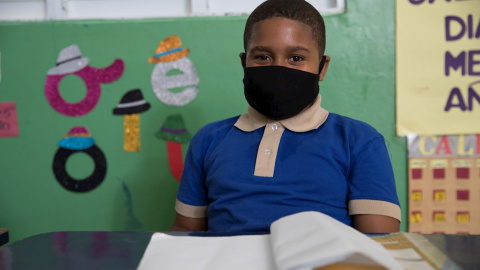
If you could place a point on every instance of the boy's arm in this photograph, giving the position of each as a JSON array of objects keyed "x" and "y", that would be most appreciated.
[
  {"x": 375, "y": 223},
  {"x": 183, "y": 223}
]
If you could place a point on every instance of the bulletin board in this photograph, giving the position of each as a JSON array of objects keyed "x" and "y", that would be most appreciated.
[
  {"x": 438, "y": 67},
  {"x": 140, "y": 181}
]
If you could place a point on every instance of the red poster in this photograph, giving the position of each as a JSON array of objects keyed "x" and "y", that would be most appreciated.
[{"x": 8, "y": 120}]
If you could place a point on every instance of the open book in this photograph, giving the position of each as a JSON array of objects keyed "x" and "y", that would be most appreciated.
[{"x": 307, "y": 240}]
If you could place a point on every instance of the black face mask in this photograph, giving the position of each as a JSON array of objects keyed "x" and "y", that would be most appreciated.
[{"x": 279, "y": 92}]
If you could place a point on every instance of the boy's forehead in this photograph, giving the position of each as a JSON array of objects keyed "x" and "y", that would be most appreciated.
[
  {"x": 268, "y": 28},
  {"x": 279, "y": 21}
]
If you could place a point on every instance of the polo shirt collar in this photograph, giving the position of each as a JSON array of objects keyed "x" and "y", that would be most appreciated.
[{"x": 310, "y": 119}]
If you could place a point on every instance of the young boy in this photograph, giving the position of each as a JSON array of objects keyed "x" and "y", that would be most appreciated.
[{"x": 286, "y": 154}]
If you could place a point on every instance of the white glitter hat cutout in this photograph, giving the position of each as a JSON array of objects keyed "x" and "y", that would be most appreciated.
[{"x": 69, "y": 60}]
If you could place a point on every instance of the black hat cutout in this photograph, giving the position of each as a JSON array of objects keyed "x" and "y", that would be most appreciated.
[{"x": 132, "y": 102}]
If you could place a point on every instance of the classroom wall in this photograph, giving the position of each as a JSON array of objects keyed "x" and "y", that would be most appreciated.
[{"x": 138, "y": 192}]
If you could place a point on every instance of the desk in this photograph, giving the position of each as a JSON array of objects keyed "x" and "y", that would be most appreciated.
[
  {"x": 124, "y": 250},
  {"x": 76, "y": 250},
  {"x": 462, "y": 249},
  {"x": 3, "y": 236}
]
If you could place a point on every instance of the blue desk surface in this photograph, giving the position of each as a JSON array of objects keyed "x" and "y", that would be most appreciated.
[{"x": 124, "y": 250}]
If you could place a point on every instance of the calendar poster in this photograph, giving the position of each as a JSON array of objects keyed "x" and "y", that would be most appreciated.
[{"x": 444, "y": 184}]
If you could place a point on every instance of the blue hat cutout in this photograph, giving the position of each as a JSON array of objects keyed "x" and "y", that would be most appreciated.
[{"x": 77, "y": 139}]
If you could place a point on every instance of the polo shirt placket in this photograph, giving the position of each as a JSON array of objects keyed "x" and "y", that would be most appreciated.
[
  {"x": 268, "y": 149},
  {"x": 311, "y": 118}
]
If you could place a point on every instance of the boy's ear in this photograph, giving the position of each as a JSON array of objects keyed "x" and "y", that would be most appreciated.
[
  {"x": 324, "y": 69},
  {"x": 243, "y": 59}
]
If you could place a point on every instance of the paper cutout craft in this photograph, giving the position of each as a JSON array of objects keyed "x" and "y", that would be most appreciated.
[
  {"x": 79, "y": 139},
  {"x": 8, "y": 120},
  {"x": 174, "y": 133},
  {"x": 130, "y": 106},
  {"x": 170, "y": 55},
  {"x": 70, "y": 61},
  {"x": 169, "y": 49}
]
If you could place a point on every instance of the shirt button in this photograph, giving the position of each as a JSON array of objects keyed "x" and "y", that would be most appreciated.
[
  {"x": 267, "y": 151},
  {"x": 274, "y": 126}
]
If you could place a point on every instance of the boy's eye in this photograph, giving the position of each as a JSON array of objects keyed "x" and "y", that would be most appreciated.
[
  {"x": 296, "y": 58},
  {"x": 263, "y": 57}
]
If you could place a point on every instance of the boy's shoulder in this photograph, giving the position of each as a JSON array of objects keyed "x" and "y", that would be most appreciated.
[
  {"x": 352, "y": 127},
  {"x": 216, "y": 128},
  {"x": 219, "y": 125}
]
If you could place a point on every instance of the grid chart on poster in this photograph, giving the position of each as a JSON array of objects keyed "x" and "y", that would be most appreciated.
[{"x": 444, "y": 188}]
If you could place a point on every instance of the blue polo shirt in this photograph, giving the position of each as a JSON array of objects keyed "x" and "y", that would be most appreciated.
[{"x": 245, "y": 172}]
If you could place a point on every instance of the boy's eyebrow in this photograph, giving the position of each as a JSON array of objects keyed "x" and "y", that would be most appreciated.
[
  {"x": 290, "y": 48},
  {"x": 298, "y": 48},
  {"x": 260, "y": 48}
]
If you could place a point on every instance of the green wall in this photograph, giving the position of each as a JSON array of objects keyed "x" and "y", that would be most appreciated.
[{"x": 139, "y": 191}]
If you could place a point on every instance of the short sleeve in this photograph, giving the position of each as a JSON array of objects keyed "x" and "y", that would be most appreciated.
[
  {"x": 192, "y": 193},
  {"x": 372, "y": 187}
]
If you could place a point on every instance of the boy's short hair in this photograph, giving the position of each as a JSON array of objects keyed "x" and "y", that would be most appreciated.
[{"x": 297, "y": 10}]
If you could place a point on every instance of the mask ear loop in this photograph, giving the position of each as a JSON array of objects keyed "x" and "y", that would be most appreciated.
[{"x": 322, "y": 63}]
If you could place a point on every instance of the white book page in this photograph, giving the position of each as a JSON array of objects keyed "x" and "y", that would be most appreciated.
[
  {"x": 210, "y": 253},
  {"x": 311, "y": 239}
]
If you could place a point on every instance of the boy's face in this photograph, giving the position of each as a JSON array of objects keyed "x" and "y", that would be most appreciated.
[{"x": 283, "y": 42}]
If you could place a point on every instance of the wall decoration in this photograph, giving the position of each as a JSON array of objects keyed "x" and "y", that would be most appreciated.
[
  {"x": 8, "y": 120},
  {"x": 170, "y": 55},
  {"x": 70, "y": 61},
  {"x": 175, "y": 134},
  {"x": 169, "y": 49},
  {"x": 132, "y": 223},
  {"x": 79, "y": 139},
  {"x": 437, "y": 67},
  {"x": 444, "y": 184},
  {"x": 130, "y": 106}
]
